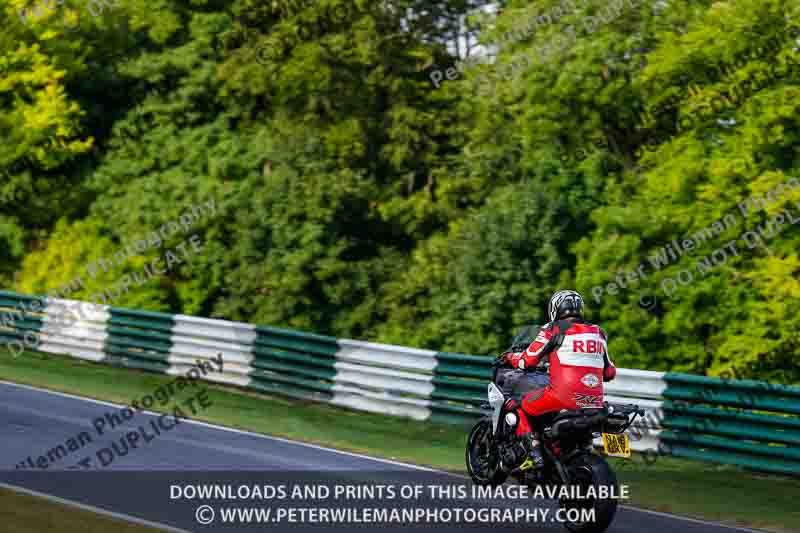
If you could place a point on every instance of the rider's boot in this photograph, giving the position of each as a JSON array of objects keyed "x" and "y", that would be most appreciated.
[
  {"x": 524, "y": 454},
  {"x": 534, "y": 448}
]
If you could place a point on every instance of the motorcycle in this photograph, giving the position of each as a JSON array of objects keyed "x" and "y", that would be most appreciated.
[{"x": 570, "y": 460}]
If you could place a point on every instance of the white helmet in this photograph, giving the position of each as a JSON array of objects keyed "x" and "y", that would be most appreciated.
[{"x": 563, "y": 304}]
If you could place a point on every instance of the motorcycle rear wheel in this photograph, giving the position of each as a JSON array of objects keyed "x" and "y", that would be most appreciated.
[
  {"x": 482, "y": 455},
  {"x": 585, "y": 471}
]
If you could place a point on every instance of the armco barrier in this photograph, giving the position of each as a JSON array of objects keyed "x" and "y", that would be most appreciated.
[
  {"x": 420, "y": 384},
  {"x": 747, "y": 423}
]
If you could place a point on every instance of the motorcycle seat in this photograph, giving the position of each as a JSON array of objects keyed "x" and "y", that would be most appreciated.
[{"x": 584, "y": 411}]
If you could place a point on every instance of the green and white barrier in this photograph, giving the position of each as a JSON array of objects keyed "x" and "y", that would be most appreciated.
[
  {"x": 747, "y": 423},
  {"x": 742, "y": 422}
]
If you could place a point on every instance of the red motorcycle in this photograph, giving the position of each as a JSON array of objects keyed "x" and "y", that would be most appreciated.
[{"x": 570, "y": 461}]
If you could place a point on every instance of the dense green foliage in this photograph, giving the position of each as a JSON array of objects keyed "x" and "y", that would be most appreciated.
[{"x": 356, "y": 197}]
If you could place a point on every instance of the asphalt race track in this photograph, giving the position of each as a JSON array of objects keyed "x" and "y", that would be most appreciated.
[{"x": 135, "y": 480}]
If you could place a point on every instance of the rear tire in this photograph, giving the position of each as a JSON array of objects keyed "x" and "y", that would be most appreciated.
[
  {"x": 592, "y": 470},
  {"x": 482, "y": 455}
]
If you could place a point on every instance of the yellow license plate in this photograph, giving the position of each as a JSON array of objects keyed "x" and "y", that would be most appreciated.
[{"x": 616, "y": 444}]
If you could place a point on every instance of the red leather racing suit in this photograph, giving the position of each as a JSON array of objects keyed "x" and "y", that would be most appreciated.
[{"x": 578, "y": 368}]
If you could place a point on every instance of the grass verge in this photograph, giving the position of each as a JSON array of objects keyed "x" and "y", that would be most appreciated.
[
  {"x": 718, "y": 493},
  {"x": 22, "y": 513}
]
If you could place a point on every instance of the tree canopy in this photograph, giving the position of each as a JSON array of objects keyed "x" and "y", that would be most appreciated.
[{"x": 567, "y": 144}]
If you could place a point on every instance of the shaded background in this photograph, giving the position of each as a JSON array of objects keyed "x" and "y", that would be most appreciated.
[{"x": 356, "y": 199}]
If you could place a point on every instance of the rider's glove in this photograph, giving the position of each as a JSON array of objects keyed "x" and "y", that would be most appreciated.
[
  {"x": 515, "y": 360},
  {"x": 500, "y": 361},
  {"x": 504, "y": 359}
]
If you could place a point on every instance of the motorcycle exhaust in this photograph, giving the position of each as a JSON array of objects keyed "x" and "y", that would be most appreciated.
[{"x": 577, "y": 424}]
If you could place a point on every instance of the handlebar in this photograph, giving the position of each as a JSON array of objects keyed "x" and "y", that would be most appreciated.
[
  {"x": 628, "y": 411},
  {"x": 499, "y": 361}
]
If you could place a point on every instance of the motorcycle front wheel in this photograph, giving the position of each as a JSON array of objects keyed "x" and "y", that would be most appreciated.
[
  {"x": 590, "y": 515},
  {"x": 482, "y": 455}
]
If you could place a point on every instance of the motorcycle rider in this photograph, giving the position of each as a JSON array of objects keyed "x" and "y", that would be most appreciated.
[{"x": 577, "y": 355}]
